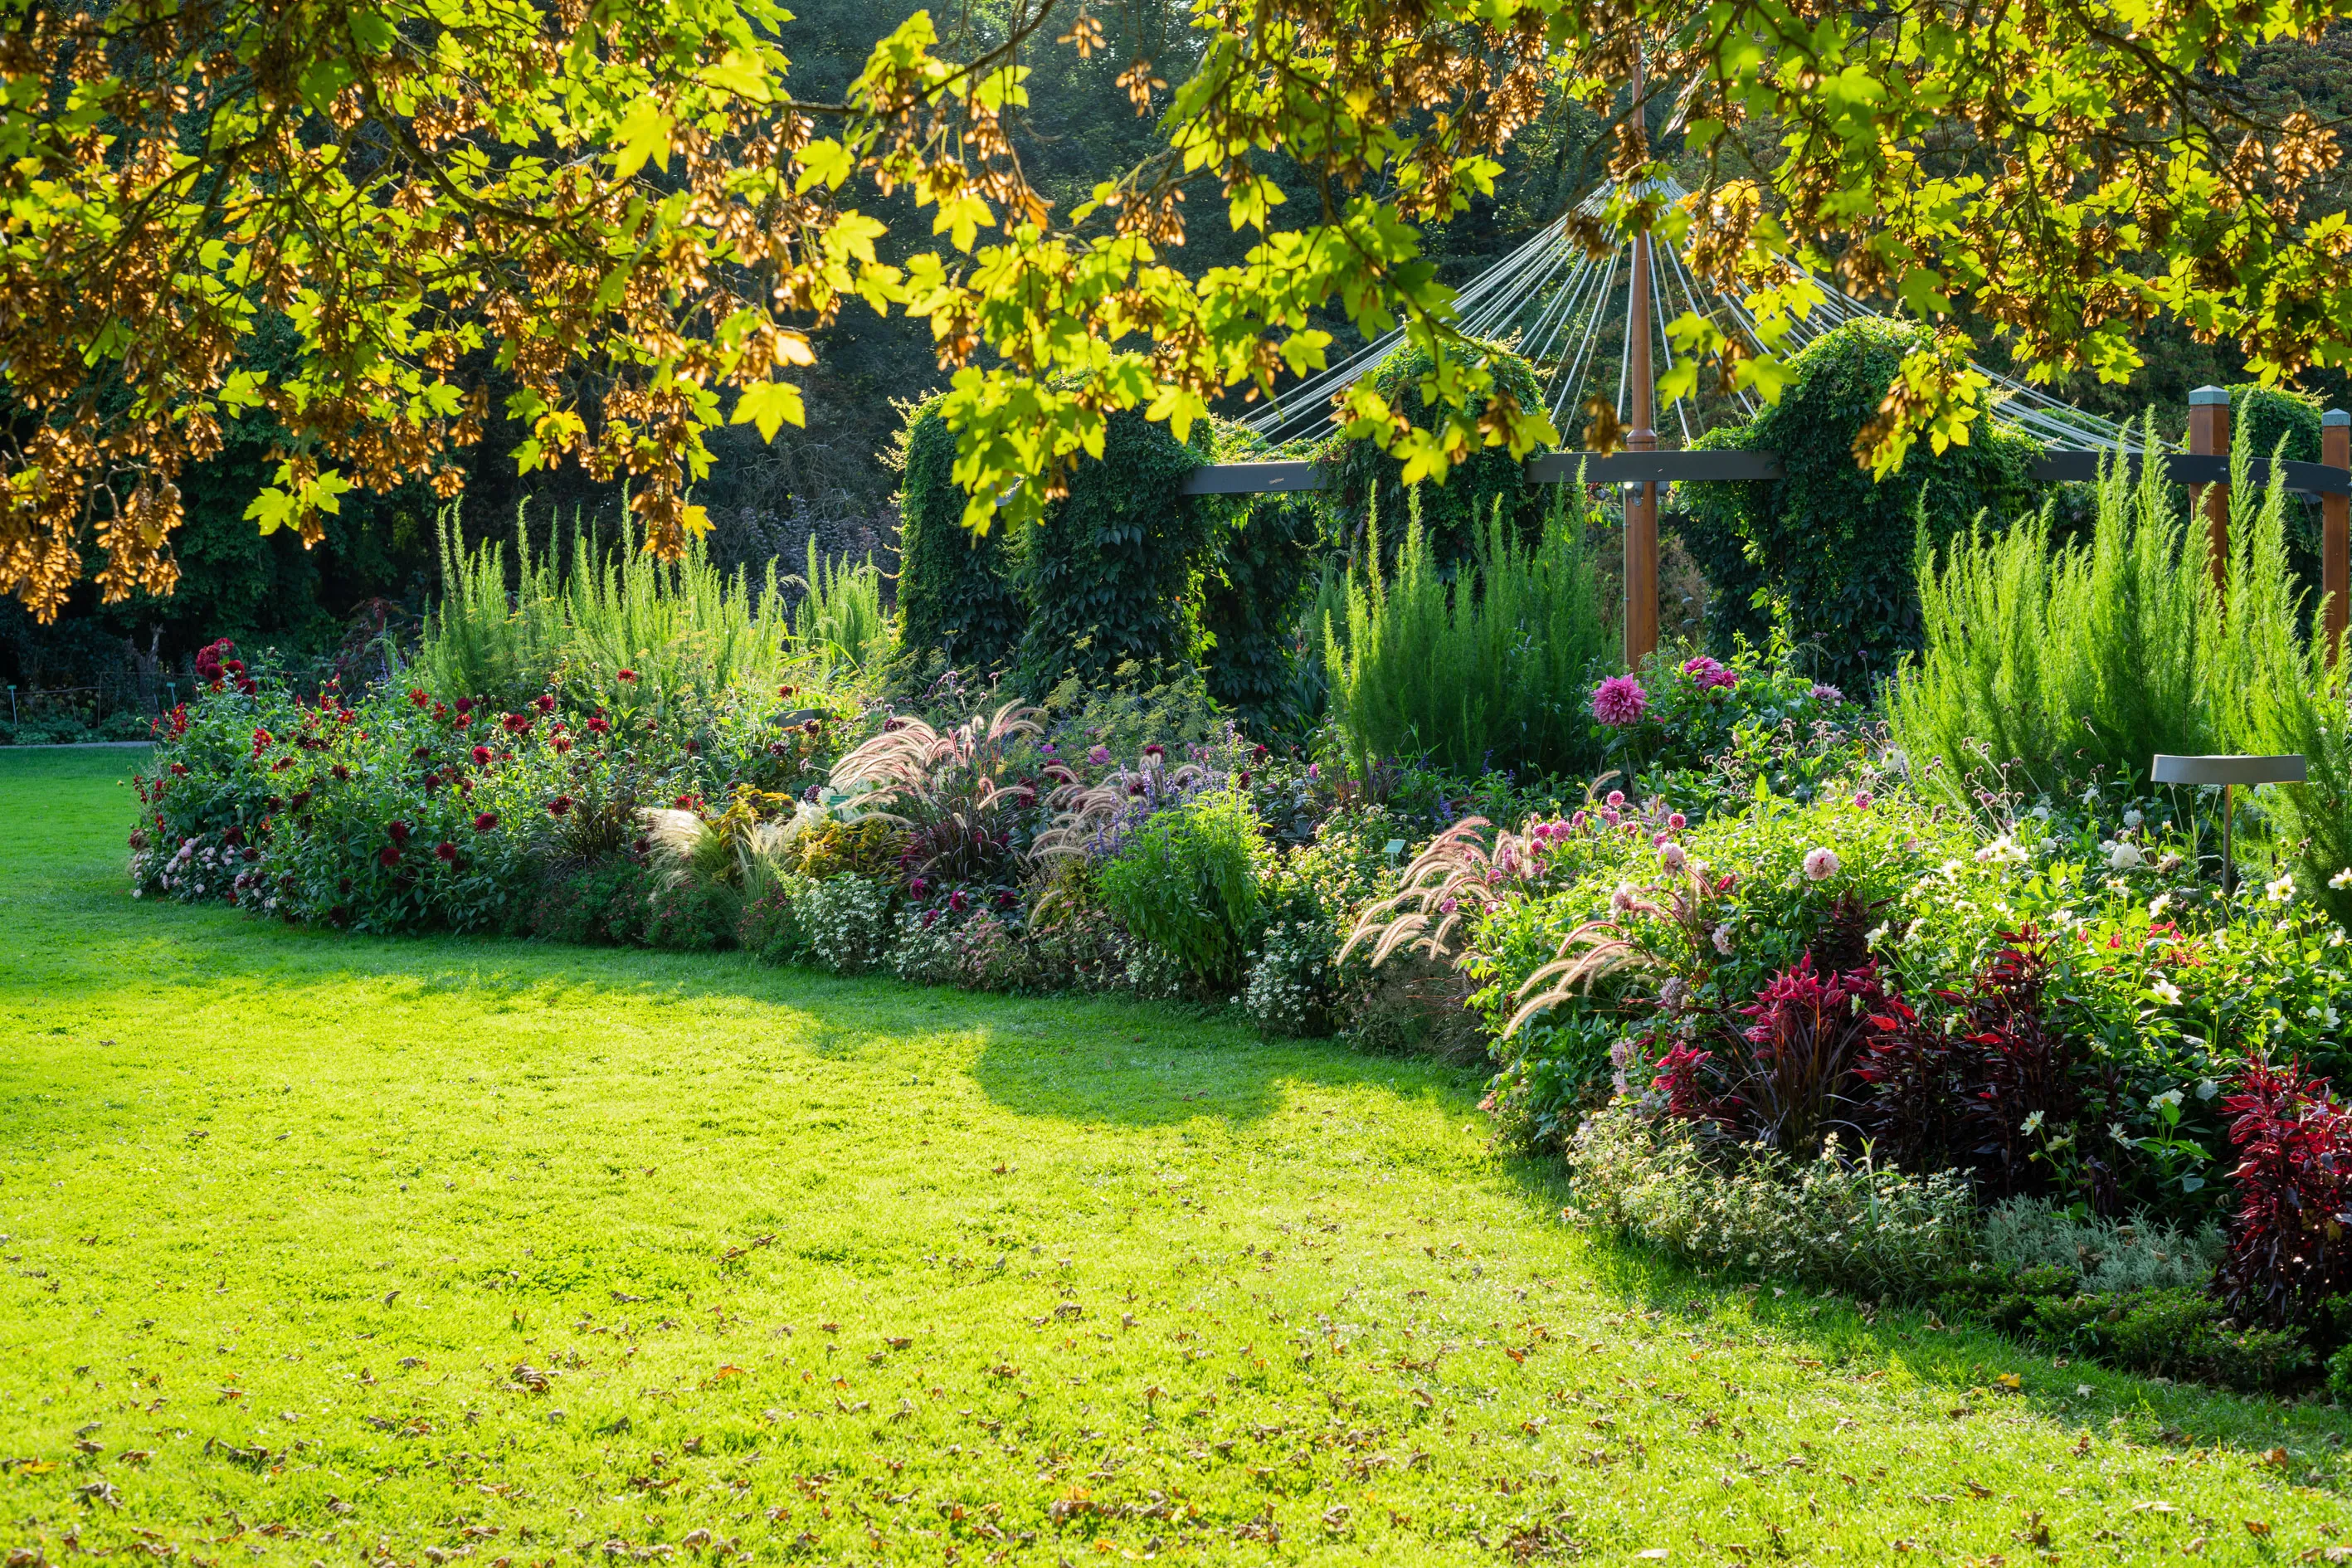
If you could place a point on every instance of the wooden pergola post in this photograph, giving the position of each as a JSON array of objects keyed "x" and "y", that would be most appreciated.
[
  {"x": 1641, "y": 509},
  {"x": 2209, "y": 436},
  {"x": 2336, "y": 530}
]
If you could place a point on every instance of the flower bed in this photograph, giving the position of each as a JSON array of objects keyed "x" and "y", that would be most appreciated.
[{"x": 1784, "y": 1015}]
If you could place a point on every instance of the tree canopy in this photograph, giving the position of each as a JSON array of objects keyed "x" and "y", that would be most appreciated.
[{"x": 617, "y": 214}]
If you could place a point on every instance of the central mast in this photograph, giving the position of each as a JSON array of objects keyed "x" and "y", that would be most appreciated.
[{"x": 1641, "y": 506}]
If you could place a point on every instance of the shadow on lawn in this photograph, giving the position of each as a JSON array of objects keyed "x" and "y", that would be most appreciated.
[
  {"x": 1843, "y": 1338},
  {"x": 1079, "y": 1060}
]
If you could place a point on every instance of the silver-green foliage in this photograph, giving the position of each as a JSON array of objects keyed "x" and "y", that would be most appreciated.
[
  {"x": 2108, "y": 1255},
  {"x": 1850, "y": 1226},
  {"x": 1489, "y": 670}
]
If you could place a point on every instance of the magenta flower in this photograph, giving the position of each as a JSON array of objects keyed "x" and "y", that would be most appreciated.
[
  {"x": 1827, "y": 693},
  {"x": 484, "y": 822},
  {"x": 1709, "y": 674},
  {"x": 445, "y": 851},
  {"x": 1620, "y": 701},
  {"x": 958, "y": 901},
  {"x": 1099, "y": 755}
]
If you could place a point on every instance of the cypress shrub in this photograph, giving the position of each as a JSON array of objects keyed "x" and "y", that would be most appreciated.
[
  {"x": 1489, "y": 671},
  {"x": 956, "y": 594},
  {"x": 2050, "y": 662},
  {"x": 1827, "y": 549},
  {"x": 1113, "y": 574}
]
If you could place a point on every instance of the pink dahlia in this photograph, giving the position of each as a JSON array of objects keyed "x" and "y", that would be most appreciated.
[{"x": 1620, "y": 701}]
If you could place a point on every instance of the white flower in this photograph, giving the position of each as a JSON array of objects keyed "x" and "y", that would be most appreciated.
[
  {"x": 2281, "y": 891},
  {"x": 1723, "y": 938},
  {"x": 1673, "y": 855},
  {"x": 2091, "y": 797},
  {"x": 2033, "y": 1124},
  {"x": 2342, "y": 879},
  {"x": 1821, "y": 864},
  {"x": 1879, "y": 935},
  {"x": 2132, "y": 818},
  {"x": 2169, "y": 1097},
  {"x": 2040, "y": 814},
  {"x": 2124, "y": 856},
  {"x": 2159, "y": 904},
  {"x": 2168, "y": 991},
  {"x": 2115, "y": 1131}
]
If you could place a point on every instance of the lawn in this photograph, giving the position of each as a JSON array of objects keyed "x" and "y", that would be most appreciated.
[{"x": 319, "y": 1248}]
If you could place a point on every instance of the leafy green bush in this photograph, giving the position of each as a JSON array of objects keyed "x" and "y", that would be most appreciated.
[
  {"x": 1186, "y": 883},
  {"x": 1113, "y": 574},
  {"x": 846, "y": 919},
  {"x": 770, "y": 927},
  {"x": 593, "y": 906},
  {"x": 1848, "y": 1226},
  {"x": 956, "y": 593},
  {"x": 1828, "y": 550},
  {"x": 1488, "y": 671},
  {"x": 2054, "y": 663},
  {"x": 1364, "y": 482}
]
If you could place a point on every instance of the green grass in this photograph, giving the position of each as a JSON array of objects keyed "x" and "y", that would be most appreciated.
[{"x": 848, "y": 1272}]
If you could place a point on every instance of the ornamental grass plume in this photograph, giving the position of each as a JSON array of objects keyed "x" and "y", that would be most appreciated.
[{"x": 1620, "y": 701}]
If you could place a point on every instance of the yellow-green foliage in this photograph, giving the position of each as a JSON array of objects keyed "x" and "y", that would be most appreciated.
[{"x": 869, "y": 846}]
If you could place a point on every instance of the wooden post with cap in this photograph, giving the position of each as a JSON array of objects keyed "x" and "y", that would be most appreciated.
[
  {"x": 2209, "y": 436},
  {"x": 2336, "y": 530},
  {"x": 1642, "y": 507}
]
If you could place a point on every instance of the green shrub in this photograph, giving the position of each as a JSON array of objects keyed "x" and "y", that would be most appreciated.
[
  {"x": 1113, "y": 574},
  {"x": 770, "y": 927},
  {"x": 956, "y": 594},
  {"x": 2051, "y": 663},
  {"x": 1827, "y": 549},
  {"x": 1364, "y": 482},
  {"x": 691, "y": 916},
  {"x": 1488, "y": 671},
  {"x": 1186, "y": 883},
  {"x": 1855, "y": 1226},
  {"x": 597, "y": 905}
]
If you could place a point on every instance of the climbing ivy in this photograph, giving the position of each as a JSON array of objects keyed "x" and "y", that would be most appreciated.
[
  {"x": 1824, "y": 552},
  {"x": 1360, "y": 474},
  {"x": 1113, "y": 574},
  {"x": 957, "y": 598}
]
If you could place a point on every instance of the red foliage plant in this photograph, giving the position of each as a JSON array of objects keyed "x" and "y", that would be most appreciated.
[
  {"x": 2289, "y": 1250},
  {"x": 1992, "y": 1093},
  {"x": 1787, "y": 1079}
]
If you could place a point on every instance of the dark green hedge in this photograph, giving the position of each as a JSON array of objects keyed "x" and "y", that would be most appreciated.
[
  {"x": 1824, "y": 552},
  {"x": 1263, "y": 574},
  {"x": 1113, "y": 574},
  {"x": 1362, "y": 474},
  {"x": 957, "y": 598}
]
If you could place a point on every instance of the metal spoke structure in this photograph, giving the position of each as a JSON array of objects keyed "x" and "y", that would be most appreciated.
[
  {"x": 1557, "y": 305},
  {"x": 1561, "y": 307}
]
